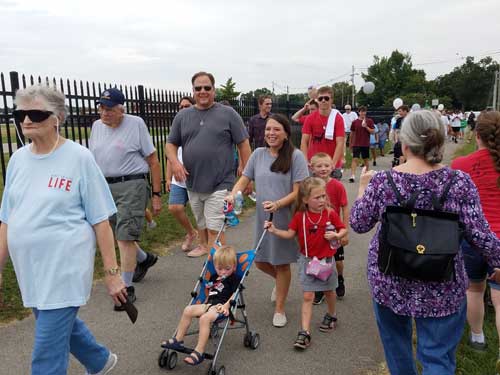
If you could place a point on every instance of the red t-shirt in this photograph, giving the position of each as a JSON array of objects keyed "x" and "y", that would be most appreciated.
[
  {"x": 362, "y": 136},
  {"x": 481, "y": 168},
  {"x": 315, "y": 224},
  {"x": 336, "y": 194},
  {"x": 315, "y": 126},
  {"x": 302, "y": 119}
]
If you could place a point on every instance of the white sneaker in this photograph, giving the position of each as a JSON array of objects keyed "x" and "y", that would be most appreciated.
[
  {"x": 110, "y": 364},
  {"x": 253, "y": 196},
  {"x": 279, "y": 320},
  {"x": 273, "y": 294},
  {"x": 152, "y": 225}
]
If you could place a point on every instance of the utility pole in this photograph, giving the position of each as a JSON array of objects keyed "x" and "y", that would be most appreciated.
[
  {"x": 287, "y": 93},
  {"x": 353, "y": 88},
  {"x": 272, "y": 83},
  {"x": 496, "y": 92}
]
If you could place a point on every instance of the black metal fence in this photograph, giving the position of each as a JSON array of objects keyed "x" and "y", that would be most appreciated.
[{"x": 157, "y": 107}]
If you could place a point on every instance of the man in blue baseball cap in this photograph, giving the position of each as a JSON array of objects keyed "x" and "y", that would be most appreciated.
[
  {"x": 111, "y": 97},
  {"x": 124, "y": 151}
]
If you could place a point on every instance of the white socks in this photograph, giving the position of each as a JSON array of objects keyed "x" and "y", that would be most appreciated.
[{"x": 479, "y": 338}]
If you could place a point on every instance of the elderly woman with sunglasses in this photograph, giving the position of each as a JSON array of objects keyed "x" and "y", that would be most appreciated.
[{"x": 55, "y": 205}]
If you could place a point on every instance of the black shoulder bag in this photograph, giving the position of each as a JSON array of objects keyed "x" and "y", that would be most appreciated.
[{"x": 419, "y": 244}]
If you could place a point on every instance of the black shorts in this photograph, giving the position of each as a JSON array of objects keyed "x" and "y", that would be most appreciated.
[
  {"x": 339, "y": 255},
  {"x": 398, "y": 151},
  {"x": 455, "y": 129},
  {"x": 360, "y": 152}
]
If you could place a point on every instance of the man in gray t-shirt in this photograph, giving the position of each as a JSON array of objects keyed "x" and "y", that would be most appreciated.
[
  {"x": 207, "y": 133},
  {"x": 123, "y": 149}
]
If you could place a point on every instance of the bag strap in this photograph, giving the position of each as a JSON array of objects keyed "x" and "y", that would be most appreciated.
[
  {"x": 399, "y": 197},
  {"x": 410, "y": 203},
  {"x": 304, "y": 228},
  {"x": 438, "y": 203}
]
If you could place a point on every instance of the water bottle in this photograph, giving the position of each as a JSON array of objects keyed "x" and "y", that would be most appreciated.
[
  {"x": 238, "y": 203},
  {"x": 334, "y": 244},
  {"x": 232, "y": 219}
]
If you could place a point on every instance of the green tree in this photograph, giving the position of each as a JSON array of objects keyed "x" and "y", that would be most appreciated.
[
  {"x": 470, "y": 85},
  {"x": 342, "y": 94},
  {"x": 251, "y": 95},
  {"x": 393, "y": 76},
  {"x": 227, "y": 91}
]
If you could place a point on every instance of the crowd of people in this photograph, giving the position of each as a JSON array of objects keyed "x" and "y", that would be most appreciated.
[{"x": 96, "y": 196}]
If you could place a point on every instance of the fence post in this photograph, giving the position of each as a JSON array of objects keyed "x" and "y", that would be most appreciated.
[
  {"x": 142, "y": 103},
  {"x": 14, "y": 86}
]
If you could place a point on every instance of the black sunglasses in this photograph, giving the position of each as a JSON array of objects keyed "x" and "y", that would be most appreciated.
[
  {"x": 35, "y": 115},
  {"x": 206, "y": 88},
  {"x": 323, "y": 98}
]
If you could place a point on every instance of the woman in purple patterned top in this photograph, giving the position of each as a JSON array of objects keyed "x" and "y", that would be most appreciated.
[{"x": 438, "y": 308}]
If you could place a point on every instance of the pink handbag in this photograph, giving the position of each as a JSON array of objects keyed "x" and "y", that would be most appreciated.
[{"x": 320, "y": 269}]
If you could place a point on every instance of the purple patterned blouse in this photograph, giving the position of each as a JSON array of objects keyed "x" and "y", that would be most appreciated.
[{"x": 415, "y": 298}]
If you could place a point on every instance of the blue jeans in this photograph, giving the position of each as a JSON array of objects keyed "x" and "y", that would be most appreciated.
[
  {"x": 59, "y": 332},
  {"x": 437, "y": 341}
]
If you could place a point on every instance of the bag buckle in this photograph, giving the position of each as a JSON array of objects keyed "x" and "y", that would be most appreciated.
[{"x": 420, "y": 249}]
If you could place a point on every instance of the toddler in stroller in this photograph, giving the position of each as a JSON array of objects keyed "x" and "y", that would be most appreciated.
[{"x": 222, "y": 286}]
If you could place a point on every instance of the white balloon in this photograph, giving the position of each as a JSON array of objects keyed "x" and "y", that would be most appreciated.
[
  {"x": 416, "y": 107},
  {"x": 368, "y": 88},
  {"x": 440, "y": 107},
  {"x": 398, "y": 102}
]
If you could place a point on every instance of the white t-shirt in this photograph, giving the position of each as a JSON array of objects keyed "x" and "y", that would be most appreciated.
[
  {"x": 50, "y": 204},
  {"x": 348, "y": 120},
  {"x": 456, "y": 119},
  {"x": 121, "y": 151},
  {"x": 174, "y": 181}
]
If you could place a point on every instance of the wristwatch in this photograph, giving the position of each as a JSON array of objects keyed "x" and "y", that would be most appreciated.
[
  {"x": 157, "y": 193},
  {"x": 112, "y": 271}
]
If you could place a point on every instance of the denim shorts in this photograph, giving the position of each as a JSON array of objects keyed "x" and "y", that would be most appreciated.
[
  {"x": 178, "y": 195},
  {"x": 476, "y": 266}
]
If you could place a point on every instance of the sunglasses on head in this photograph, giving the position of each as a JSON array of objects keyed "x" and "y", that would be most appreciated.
[
  {"x": 323, "y": 98},
  {"x": 35, "y": 115},
  {"x": 206, "y": 88}
]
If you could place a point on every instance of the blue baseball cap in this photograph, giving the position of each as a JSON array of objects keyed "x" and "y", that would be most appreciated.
[{"x": 111, "y": 97}]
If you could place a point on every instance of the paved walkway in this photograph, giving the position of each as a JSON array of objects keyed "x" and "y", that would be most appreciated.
[{"x": 353, "y": 348}]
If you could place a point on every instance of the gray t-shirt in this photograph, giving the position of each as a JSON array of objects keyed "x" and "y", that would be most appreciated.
[
  {"x": 272, "y": 186},
  {"x": 121, "y": 151},
  {"x": 207, "y": 138}
]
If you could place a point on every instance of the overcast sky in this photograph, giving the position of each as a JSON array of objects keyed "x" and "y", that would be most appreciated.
[{"x": 297, "y": 43}]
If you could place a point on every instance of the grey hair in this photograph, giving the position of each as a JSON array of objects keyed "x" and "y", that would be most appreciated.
[
  {"x": 53, "y": 98},
  {"x": 424, "y": 134}
]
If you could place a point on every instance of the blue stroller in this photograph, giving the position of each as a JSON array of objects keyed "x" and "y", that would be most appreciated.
[{"x": 251, "y": 339}]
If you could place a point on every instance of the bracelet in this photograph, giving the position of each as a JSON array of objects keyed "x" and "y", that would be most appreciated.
[{"x": 278, "y": 204}]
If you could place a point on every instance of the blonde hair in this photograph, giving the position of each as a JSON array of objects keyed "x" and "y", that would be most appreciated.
[
  {"x": 225, "y": 256},
  {"x": 320, "y": 156},
  {"x": 305, "y": 188}
]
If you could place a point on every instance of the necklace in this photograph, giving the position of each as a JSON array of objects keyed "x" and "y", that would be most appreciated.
[
  {"x": 202, "y": 119},
  {"x": 315, "y": 224}
]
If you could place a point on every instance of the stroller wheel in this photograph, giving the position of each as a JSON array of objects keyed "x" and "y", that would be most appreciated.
[
  {"x": 162, "y": 359},
  {"x": 247, "y": 339},
  {"x": 255, "y": 341},
  {"x": 171, "y": 360},
  {"x": 221, "y": 371}
]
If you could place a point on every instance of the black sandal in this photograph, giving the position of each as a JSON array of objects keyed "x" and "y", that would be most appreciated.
[
  {"x": 303, "y": 340},
  {"x": 328, "y": 324},
  {"x": 196, "y": 357}
]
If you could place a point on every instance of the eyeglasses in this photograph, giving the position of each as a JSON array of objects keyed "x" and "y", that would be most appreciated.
[
  {"x": 323, "y": 98},
  {"x": 206, "y": 88},
  {"x": 35, "y": 115}
]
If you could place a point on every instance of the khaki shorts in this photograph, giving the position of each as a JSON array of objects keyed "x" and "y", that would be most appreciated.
[
  {"x": 207, "y": 209},
  {"x": 131, "y": 199}
]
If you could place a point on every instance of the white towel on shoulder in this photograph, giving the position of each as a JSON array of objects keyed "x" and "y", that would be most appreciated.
[{"x": 330, "y": 126}]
